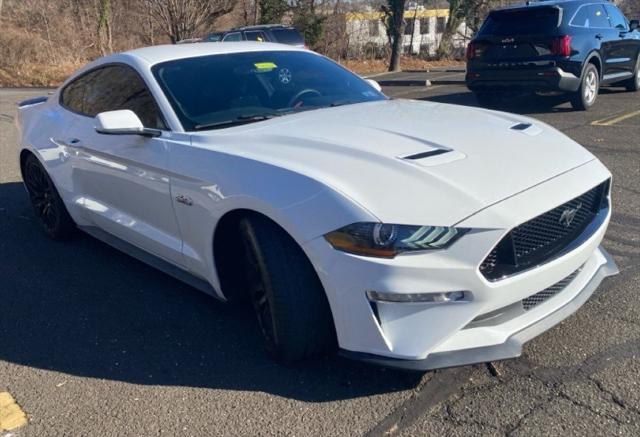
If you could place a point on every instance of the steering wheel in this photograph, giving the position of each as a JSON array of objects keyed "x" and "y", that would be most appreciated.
[{"x": 296, "y": 98}]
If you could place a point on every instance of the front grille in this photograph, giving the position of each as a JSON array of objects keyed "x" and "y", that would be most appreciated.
[
  {"x": 545, "y": 236},
  {"x": 548, "y": 293},
  {"x": 518, "y": 308}
]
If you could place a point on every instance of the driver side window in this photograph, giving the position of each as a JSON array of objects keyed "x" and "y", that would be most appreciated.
[
  {"x": 618, "y": 21},
  {"x": 112, "y": 88}
]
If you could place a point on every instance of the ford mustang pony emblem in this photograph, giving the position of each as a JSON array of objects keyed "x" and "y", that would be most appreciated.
[{"x": 567, "y": 216}]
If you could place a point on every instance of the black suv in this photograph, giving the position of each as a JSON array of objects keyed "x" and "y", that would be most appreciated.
[
  {"x": 572, "y": 46},
  {"x": 266, "y": 33}
]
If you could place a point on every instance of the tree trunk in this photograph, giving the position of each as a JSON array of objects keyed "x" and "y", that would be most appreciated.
[
  {"x": 413, "y": 31},
  {"x": 445, "y": 48},
  {"x": 397, "y": 32}
]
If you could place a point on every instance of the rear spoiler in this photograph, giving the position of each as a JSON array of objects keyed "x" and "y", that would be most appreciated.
[{"x": 34, "y": 101}]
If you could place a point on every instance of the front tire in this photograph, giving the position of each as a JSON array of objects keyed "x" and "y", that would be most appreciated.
[
  {"x": 47, "y": 204},
  {"x": 287, "y": 296},
  {"x": 633, "y": 84},
  {"x": 587, "y": 94}
]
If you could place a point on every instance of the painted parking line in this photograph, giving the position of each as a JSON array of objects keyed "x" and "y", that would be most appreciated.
[
  {"x": 11, "y": 415},
  {"x": 610, "y": 121}
]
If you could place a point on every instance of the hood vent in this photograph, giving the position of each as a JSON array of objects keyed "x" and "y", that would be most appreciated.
[
  {"x": 428, "y": 154},
  {"x": 521, "y": 126}
]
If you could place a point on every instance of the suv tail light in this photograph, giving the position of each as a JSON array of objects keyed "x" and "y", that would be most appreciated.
[
  {"x": 561, "y": 46},
  {"x": 471, "y": 51}
]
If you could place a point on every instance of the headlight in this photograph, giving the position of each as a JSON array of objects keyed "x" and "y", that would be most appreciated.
[{"x": 386, "y": 240}]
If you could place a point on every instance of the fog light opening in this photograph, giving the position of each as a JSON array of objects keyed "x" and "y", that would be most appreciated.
[{"x": 442, "y": 297}]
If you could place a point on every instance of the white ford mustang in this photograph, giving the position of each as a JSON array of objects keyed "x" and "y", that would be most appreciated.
[{"x": 405, "y": 233}]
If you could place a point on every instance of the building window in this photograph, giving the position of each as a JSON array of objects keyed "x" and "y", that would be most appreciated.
[
  {"x": 425, "y": 24},
  {"x": 374, "y": 28},
  {"x": 408, "y": 28},
  {"x": 441, "y": 24}
]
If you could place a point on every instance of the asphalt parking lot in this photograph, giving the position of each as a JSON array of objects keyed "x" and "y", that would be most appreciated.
[{"x": 93, "y": 342}]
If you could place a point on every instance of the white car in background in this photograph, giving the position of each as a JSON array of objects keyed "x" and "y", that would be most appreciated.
[{"x": 406, "y": 233}]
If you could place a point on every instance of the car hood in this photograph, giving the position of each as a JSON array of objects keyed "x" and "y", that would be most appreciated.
[{"x": 409, "y": 161}]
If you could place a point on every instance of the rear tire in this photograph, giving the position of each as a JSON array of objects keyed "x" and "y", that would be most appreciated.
[
  {"x": 587, "y": 94},
  {"x": 633, "y": 84},
  {"x": 289, "y": 300},
  {"x": 47, "y": 204},
  {"x": 487, "y": 99}
]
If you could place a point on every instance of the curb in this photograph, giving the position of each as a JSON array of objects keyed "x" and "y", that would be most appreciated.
[{"x": 404, "y": 82}]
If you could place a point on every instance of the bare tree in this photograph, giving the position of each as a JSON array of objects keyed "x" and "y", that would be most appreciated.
[
  {"x": 455, "y": 19},
  {"x": 394, "y": 23},
  {"x": 182, "y": 19},
  {"x": 104, "y": 34}
]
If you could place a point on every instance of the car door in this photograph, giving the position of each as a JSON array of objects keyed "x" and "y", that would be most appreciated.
[
  {"x": 624, "y": 50},
  {"x": 121, "y": 182},
  {"x": 598, "y": 23}
]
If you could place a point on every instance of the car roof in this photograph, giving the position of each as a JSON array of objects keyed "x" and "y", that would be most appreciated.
[
  {"x": 262, "y": 26},
  {"x": 541, "y": 3},
  {"x": 162, "y": 53}
]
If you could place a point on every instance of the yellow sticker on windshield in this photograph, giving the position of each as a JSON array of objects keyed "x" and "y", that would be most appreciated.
[{"x": 265, "y": 66}]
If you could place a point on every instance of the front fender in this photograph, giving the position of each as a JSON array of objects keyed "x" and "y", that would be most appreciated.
[{"x": 211, "y": 184}]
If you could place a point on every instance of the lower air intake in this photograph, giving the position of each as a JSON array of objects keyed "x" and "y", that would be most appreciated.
[{"x": 548, "y": 293}]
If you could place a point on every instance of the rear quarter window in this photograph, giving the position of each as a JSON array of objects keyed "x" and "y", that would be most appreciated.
[
  {"x": 581, "y": 18},
  {"x": 521, "y": 21},
  {"x": 73, "y": 95}
]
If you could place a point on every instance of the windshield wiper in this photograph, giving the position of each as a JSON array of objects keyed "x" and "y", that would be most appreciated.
[
  {"x": 341, "y": 103},
  {"x": 239, "y": 120}
]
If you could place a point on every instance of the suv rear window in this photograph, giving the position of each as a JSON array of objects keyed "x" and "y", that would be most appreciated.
[
  {"x": 521, "y": 22},
  {"x": 287, "y": 36}
]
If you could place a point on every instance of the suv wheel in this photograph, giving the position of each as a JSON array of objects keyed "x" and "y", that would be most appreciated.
[
  {"x": 488, "y": 99},
  {"x": 633, "y": 84},
  {"x": 587, "y": 94}
]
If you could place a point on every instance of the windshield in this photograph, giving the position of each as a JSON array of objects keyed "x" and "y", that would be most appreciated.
[
  {"x": 539, "y": 20},
  {"x": 218, "y": 91}
]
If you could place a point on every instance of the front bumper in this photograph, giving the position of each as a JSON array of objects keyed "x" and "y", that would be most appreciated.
[
  {"x": 521, "y": 79},
  {"x": 512, "y": 347},
  {"x": 439, "y": 334}
]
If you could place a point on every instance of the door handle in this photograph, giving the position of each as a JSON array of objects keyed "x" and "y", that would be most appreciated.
[
  {"x": 599, "y": 35},
  {"x": 71, "y": 142}
]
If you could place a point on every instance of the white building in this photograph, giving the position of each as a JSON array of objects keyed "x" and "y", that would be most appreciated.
[{"x": 423, "y": 31}]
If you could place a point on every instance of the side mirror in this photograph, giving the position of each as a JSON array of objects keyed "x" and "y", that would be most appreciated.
[
  {"x": 122, "y": 122},
  {"x": 634, "y": 25},
  {"x": 375, "y": 85}
]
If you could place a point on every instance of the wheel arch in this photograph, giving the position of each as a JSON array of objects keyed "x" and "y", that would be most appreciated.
[
  {"x": 227, "y": 250},
  {"x": 595, "y": 59},
  {"x": 24, "y": 153}
]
